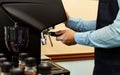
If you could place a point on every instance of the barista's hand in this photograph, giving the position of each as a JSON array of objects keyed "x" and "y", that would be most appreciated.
[{"x": 66, "y": 37}]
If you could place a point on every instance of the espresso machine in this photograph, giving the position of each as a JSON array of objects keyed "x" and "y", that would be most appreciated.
[{"x": 37, "y": 15}]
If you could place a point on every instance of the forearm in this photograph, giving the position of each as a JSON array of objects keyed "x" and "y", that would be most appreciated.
[
  {"x": 103, "y": 38},
  {"x": 107, "y": 37},
  {"x": 81, "y": 25}
]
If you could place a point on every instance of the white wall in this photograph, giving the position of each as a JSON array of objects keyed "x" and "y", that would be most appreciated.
[
  {"x": 85, "y": 9},
  {"x": 84, "y": 67}
]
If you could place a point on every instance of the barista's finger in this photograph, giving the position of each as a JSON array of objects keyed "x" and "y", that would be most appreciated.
[
  {"x": 60, "y": 38},
  {"x": 60, "y": 32}
]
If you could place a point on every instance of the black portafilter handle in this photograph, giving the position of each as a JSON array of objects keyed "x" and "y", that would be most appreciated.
[{"x": 53, "y": 34}]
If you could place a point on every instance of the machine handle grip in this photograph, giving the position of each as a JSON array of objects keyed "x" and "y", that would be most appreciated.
[{"x": 53, "y": 34}]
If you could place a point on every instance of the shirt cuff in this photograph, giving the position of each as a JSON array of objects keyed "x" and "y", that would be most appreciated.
[{"x": 80, "y": 38}]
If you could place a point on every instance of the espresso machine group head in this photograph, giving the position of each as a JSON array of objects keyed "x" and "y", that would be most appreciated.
[{"x": 37, "y": 15}]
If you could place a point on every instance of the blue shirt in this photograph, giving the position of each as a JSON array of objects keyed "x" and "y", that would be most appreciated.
[{"x": 106, "y": 37}]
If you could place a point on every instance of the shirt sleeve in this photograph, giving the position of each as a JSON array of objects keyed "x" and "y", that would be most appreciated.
[
  {"x": 81, "y": 25},
  {"x": 106, "y": 37}
]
